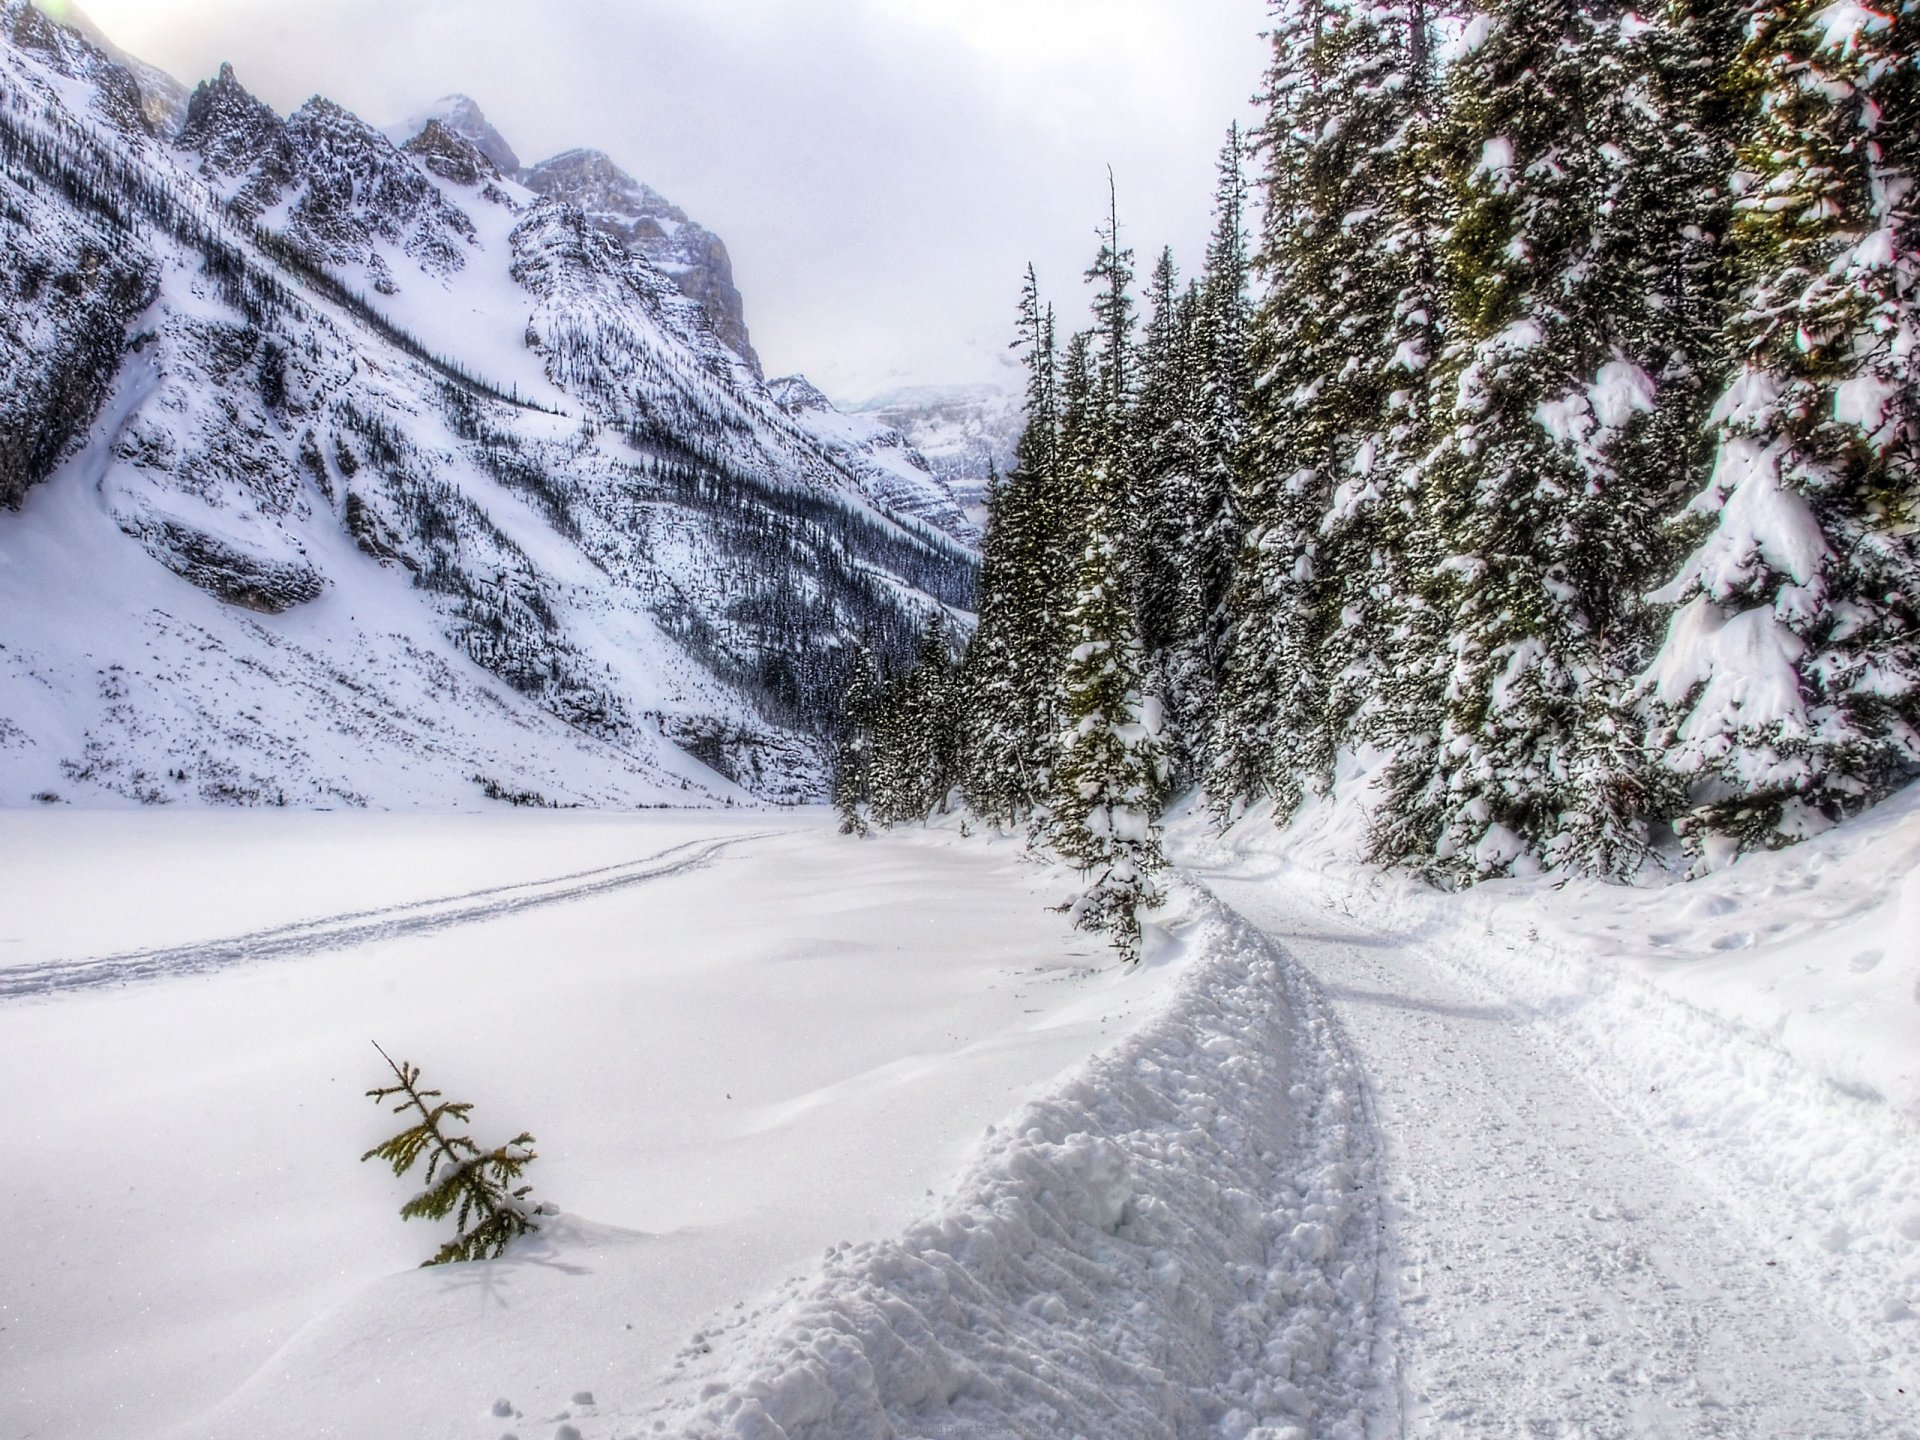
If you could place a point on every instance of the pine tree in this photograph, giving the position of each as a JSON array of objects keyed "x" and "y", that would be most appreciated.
[
  {"x": 1335, "y": 93},
  {"x": 852, "y": 777},
  {"x": 1012, "y": 662},
  {"x": 1112, "y": 276},
  {"x": 1110, "y": 783},
  {"x": 1789, "y": 682},
  {"x": 1544, "y": 498},
  {"x": 462, "y": 1180},
  {"x": 1222, "y": 384},
  {"x": 914, "y": 763},
  {"x": 1165, "y": 443}
]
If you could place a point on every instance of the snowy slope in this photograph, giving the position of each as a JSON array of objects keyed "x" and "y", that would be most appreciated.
[
  {"x": 427, "y": 443},
  {"x": 888, "y": 470}
]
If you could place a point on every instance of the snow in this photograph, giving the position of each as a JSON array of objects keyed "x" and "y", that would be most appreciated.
[
  {"x": 1748, "y": 663},
  {"x": 858, "y": 1138},
  {"x": 739, "y": 1039},
  {"x": 1757, "y": 1030},
  {"x": 1760, "y": 520},
  {"x": 1841, "y": 25},
  {"x": 1862, "y": 402}
]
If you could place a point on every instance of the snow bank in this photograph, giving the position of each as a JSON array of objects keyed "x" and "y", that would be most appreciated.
[
  {"x": 1762, "y": 1022},
  {"x": 1183, "y": 1236}
]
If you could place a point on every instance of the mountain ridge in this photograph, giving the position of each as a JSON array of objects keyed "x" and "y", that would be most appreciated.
[{"x": 471, "y": 499}]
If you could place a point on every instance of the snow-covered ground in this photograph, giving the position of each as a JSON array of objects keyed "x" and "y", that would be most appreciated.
[
  {"x": 738, "y": 1038},
  {"x": 1653, "y": 1153},
  {"x": 857, "y": 1139}
]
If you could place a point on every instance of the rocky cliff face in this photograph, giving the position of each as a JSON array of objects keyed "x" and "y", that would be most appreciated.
[
  {"x": 648, "y": 224},
  {"x": 636, "y": 215},
  {"x": 346, "y": 473}
]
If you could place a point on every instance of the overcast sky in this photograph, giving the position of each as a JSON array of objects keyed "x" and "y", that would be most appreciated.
[{"x": 881, "y": 170}]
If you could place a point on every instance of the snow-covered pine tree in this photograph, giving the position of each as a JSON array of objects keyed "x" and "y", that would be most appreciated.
[
  {"x": 852, "y": 781},
  {"x": 1165, "y": 444},
  {"x": 1109, "y": 785},
  {"x": 916, "y": 734},
  {"x": 1111, "y": 274},
  {"x": 1270, "y": 715},
  {"x": 1789, "y": 682},
  {"x": 1544, "y": 498},
  {"x": 1012, "y": 663},
  {"x": 1221, "y": 338}
]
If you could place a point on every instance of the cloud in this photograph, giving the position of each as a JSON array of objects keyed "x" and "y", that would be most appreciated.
[{"x": 881, "y": 170}]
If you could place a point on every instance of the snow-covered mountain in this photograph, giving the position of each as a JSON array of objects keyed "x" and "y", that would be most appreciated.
[
  {"x": 635, "y": 214},
  {"x": 888, "y": 469},
  {"x": 966, "y": 433},
  {"x": 355, "y": 472}
]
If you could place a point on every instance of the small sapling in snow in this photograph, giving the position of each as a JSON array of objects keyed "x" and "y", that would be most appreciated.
[{"x": 464, "y": 1181}]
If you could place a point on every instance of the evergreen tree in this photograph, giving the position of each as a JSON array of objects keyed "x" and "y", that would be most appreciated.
[
  {"x": 1340, "y": 344},
  {"x": 1012, "y": 662},
  {"x": 1789, "y": 682},
  {"x": 1222, "y": 383},
  {"x": 916, "y": 734},
  {"x": 474, "y": 1186},
  {"x": 1165, "y": 444},
  {"x": 1112, "y": 276},
  {"x": 1110, "y": 783},
  {"x": 1568, "y": 281},
  {"x": 852, "y": 778}
]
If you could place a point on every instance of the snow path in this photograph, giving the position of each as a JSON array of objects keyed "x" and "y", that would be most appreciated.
[
  {"x": 1183, "y": 1239},
  {"x": 1560, "y": 1273},
  {"x": 362, "y": 927}
]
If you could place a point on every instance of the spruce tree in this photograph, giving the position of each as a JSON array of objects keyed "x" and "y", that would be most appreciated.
[
  {"x": 1165, "y": 444},
  {"x": 1789, "y": 682},
  {"x": 476, "y": 1187},
  {"x": 853, "y": 757},
  {"x": 915, "y": 761},
  {"x": 1009, "y": 680},
  {"x": 1110, "y": 782},
  {"x": 1544, "y": 498},
  {"x": 1221, "y": 385}
]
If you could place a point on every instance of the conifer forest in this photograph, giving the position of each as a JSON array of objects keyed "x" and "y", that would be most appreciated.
[{"x": 1549, "y": 443}]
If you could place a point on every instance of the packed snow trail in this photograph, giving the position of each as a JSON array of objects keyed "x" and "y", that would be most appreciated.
[
  {"x": 361, "y": 927},
  {"x": 1182, "y": 1239},
  {"x": 1559, "y": 1274}
]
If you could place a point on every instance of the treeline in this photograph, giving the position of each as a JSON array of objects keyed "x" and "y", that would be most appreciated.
[{"x": 1560, "y": 469}]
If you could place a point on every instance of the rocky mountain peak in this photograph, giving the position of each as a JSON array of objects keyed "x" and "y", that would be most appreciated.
[
  {"x": 459, "y": 115},
  {"x": 796, "y": 394},
  {"x": 451, "y": 155},
  {"x": 234, "y": 134},
  {"x": 648, "y": 224}
]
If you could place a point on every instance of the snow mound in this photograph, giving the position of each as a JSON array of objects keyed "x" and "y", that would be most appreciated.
[{"x": 1183, "y": 1236}]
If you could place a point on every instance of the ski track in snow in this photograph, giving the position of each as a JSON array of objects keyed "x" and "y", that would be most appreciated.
[
  {"x": 1182, "y": 1239},
  {"x": 1560, "y": 1273},
  {"x": 360, "y": 927}
]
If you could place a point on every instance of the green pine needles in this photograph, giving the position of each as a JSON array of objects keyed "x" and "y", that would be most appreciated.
[{"x": 474, "y": 1186}]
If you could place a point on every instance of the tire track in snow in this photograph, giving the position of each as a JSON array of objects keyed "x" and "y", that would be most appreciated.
[{"x": 360, "y": 927}]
